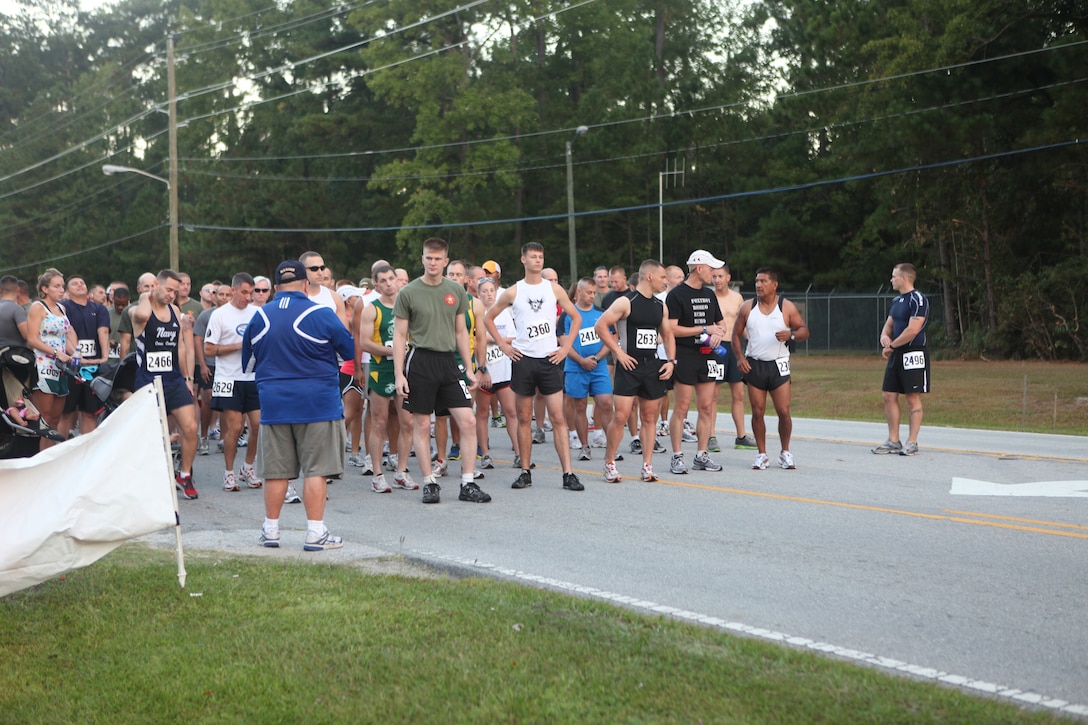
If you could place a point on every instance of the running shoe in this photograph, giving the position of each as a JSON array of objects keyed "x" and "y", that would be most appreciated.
[
  {"x": 440, "y": 468},
  {"x": 391, "y": 462},
  {"x": 658, "y": 448},
  {"x": 910, "y": 448},
  {"x": 636, "y": 445},
  {"x": 662, "y": 429},
  {"x": 888, "y": 447},
  {"x": 611, "y": 474},
  {"x": 676, "y": 465},
  {"x": 402, "y": 479},
  {"x": 356, "y": 460},
  {"x": 185, "y": 485},
  {"x": 571, "y": 482},
  {"x": 785, "y": 460},
  {"x": 547, "y": 425},
  {"x": 214, "y": 433},
  {"x": 430, "y": 492},
  {"x": 517, "y": 463},
  {"x": 455, "y": 452},
  {"x": 703, "y": 462},
  {"x": 243, "y": 440},
  {"x": 585, "y": 455},
  {"x": 712, "y": 445},
  {"x": 538, "y": 435},
  {"x": 575, "y": 442},
  {"x": 472, "y": 493},
  {"x": 229, "y": 482},
  {"x": 761, "y": 462},
  {"x": 486, "y": 462},
  {"x": 648, "y": 473},
  {"x": 745, "y": 442},
  {"x": 688, "y": 436},
  {"x": 379, "y": 485},
  {"x": 523, "y": 481},
  {"x": 291, "y": 496},
  {"x": 599, "y": 440},
  {"x": 270, "y": 541},
  {"x": 249, "y": 476},
  {"x": 320, "y": 543},
  {"x": 368, "y": 466},
  {"x": 498, "y": 421},
  {"x": 203, "y": 448}
]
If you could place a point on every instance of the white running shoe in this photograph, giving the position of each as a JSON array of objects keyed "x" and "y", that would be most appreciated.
[
  {"x": 404, "y": 480},
  {"x": 761, "y": 462},
  {"x": 440, "y": 468},
  {"x": 662, "y": 429},
  {"x": 785, "y": 459},
  {"x": 291, "y": 496},
  {"x": 379, "y": 485},
  {"x": 648, "y": 472},
  {"x": 249, "y": 476},
  {"x": 611, "y": 474},
  {"x": 598, "y": 440},
  {"x": 229, "y": 482}
]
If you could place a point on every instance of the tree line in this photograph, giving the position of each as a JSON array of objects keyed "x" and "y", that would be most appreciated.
[{"x": 830, "y": 140}]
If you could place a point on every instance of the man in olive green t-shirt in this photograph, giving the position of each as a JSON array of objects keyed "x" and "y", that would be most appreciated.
[{"x": 430, "y": 313}]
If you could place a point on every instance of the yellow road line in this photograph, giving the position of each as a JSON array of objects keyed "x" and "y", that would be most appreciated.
[{"x": 1015, "y": 518}]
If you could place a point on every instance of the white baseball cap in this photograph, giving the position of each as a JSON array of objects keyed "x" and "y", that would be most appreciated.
[{"x": 701, "y": 256}]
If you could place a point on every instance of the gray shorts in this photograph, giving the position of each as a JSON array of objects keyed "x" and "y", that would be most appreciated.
[{"x": 293, "y": 450}]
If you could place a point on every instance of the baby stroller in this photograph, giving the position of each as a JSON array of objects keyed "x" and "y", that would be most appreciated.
[
  {"x": 20, "y": 425},
  {"x": 113, "y": 382}
]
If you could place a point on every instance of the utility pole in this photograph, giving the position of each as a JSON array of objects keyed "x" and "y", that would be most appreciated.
[
  {"x": 677, "y": 170},
  {"x": 171, "y": 90}
]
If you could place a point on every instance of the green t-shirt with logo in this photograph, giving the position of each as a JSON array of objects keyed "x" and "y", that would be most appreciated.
[{"x": 431, "y": 311}]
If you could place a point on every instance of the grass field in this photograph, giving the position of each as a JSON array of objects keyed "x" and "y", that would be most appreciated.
[
  {"x": 967, "y": 394},
  {"x": 275, "y": 641}
]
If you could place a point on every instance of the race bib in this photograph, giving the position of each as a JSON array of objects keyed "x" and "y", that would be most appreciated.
[
  {"x": 464, "y": 389},
  {"x": 50, "y": 372},
  {"x": 646, "y": 338},
  {"x": 715, "y": 370},
  {"x": 588, "y": 336},
  {"x": 783, "y": 364},
  {"x": 223, "y": 389},
  {"x": 915, "y": 360},
  {"x": 86, "y": 348},
  {"x": 494, "y": 353},
  {"x": 160, "y": 362},
  {"x": 540, "y": 329}
]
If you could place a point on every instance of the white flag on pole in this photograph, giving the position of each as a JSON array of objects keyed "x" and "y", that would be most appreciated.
[{"x": 74, "y": 503}]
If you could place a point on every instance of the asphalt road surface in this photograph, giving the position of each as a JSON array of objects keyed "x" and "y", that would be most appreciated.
[{"x": 965, "y": 563}]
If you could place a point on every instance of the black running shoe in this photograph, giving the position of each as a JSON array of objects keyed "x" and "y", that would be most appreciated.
[
  {"x": 523, "y": 481},
  {"x": 430, "y": 493},
  {"x": 472, "y": 493},
  {"x": 571, "y": 482}
]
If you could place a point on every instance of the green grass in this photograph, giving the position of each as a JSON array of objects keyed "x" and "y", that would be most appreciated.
[
  {"x": 274, "y": 641},
  {"x": 966, "y": 394}
]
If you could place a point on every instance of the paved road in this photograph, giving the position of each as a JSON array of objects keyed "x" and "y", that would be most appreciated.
[{"x": 869, "y": 557}]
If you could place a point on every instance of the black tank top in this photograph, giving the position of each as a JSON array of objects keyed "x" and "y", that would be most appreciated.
[
  {"x": 638, "y": 331},
  {"x": 157, "y": 349}
]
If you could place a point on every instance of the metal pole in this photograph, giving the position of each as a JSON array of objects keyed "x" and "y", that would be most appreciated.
[
  {"x": 173, "y": 185},
  {"x": 570, "y": 217},
  {"x": 661, "y": 217}
]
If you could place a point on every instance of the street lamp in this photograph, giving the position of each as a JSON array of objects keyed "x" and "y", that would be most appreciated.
[
  {"x": 111, "y": 169},
  {"x": 580, "y": 131}
]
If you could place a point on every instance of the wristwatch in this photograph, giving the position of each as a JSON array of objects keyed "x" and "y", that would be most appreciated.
[
  {"x": 481, "y": 370},
  {"x": 674, "y": 361}
]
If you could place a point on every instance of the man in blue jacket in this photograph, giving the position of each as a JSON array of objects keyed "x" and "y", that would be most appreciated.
[{"x": 291, "y": 345}]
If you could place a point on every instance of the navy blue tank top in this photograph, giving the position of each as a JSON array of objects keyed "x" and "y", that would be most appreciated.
[{"x": 157, "y": 350}]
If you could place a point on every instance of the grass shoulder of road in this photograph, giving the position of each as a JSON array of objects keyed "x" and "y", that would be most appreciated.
[
  {"x": 1033, "y": 396},
  {"x": 260, "y": 640}
]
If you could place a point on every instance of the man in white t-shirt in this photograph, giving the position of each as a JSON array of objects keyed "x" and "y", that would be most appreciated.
[
  {"x": 234, "y": 390},
  {"x": 316, "y": 289}
]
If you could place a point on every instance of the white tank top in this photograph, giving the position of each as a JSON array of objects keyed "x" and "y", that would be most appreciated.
[
  {"x": 323, "y": 298},
  {"x": 497, "y": 362},
  {"x": 760, "y": 328},
  {"x": 534, "y": 313}
]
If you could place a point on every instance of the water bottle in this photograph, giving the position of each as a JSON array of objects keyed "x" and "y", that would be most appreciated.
[{"x": 718, "y": 350}]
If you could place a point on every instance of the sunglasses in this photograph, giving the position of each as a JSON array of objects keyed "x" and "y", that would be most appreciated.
[
  {"x": 317, "y": 268},
  {"x": 262, "y": 289}
]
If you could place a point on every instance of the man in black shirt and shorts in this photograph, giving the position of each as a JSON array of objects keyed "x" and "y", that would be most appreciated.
[
  {"x": 639, "y": 318},
  {"x": 693, "y": 313}
]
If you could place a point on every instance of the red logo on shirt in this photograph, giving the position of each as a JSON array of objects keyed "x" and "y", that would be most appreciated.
[{"x": 451, "y": 300}]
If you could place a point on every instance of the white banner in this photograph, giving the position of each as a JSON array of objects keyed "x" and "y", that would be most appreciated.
[{"x": 74, "y": 503}]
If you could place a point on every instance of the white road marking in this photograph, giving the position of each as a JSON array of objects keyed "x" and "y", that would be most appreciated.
[
  {"x": 1064, "y": 489},
  {"x": 919, "y": 671}
]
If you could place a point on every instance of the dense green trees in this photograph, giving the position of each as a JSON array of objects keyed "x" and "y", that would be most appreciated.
[{"x": 829, "y": 139}]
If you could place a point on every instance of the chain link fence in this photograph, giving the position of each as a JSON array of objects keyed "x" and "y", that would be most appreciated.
[{"x": 849, "y": 322}]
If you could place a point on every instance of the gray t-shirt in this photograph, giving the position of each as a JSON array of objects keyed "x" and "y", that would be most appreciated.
[
  {"x": 11, "y": 315},
  {"x": 200, "y": 328}
]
